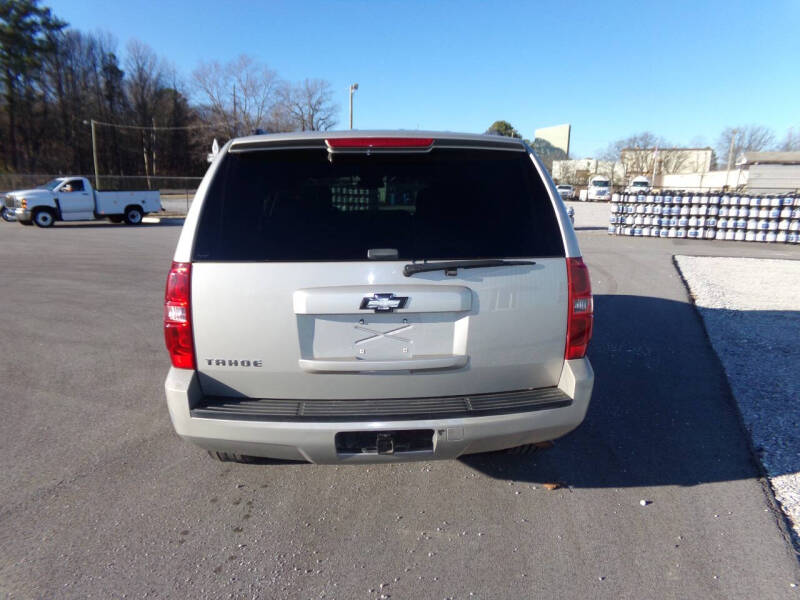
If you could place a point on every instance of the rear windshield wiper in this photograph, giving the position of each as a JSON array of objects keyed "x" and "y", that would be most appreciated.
[{"x": 450, "y": 267}]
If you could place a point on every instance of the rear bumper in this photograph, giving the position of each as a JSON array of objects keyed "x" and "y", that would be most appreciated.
[{"x": 315, "y": 441}]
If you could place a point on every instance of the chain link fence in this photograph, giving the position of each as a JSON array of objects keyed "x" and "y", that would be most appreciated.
[{"x": 166, "y": 183}]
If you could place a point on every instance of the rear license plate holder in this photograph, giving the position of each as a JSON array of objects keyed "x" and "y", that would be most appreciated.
[
  {"x": 383, "y": 340},
  {"x": 384, "y": 442}
]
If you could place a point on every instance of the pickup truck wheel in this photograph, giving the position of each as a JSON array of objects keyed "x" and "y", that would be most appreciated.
[
  {"x": 43, "y": 218},
  {"x": 133, "y": 215},
  {"x": 230, "y": 457},
  {"x": 7, "y": 215}
]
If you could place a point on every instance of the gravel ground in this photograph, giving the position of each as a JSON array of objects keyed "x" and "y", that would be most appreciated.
[{"x": 751, "y": 309}]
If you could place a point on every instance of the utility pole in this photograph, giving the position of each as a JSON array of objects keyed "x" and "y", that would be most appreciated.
[
  {"x": 94, "y": 158},
  {"x": 153, "y": 146},
  {"x": 655, "y": 162},
  {"x": 735, "y": 132},
  {"x": 353, "y": 88}
]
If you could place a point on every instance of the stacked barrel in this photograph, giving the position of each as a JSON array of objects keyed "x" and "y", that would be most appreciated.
[{"x": 707, "y": 215}]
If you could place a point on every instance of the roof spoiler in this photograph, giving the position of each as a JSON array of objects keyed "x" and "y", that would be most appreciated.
[{"x": 361, "y": 144}]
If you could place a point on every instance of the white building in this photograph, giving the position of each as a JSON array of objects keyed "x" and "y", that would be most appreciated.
[
  {"x": 580, "y": 171},
  {"x": 666, "y": 161},
  {"x": 771, "y": 172}
]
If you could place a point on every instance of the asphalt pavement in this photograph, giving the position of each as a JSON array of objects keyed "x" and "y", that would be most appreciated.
[{"x": 99, "y": 498}]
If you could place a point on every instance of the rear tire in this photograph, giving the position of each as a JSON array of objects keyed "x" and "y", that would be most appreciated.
[
  {"x": 43, "y": 218},
  {"x": 231, "y": 457},
  {"x": 528, "y": 449},
  {"x": 525, "y": 450},
  {"x": 133, "y": 215}
]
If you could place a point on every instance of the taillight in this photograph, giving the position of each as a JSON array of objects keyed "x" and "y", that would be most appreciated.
[
  {"x": 580, "y": 313},
  {"x": 177, "y": 316}
]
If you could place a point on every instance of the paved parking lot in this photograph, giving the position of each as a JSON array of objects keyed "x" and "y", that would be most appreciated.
[{"x": 101, "y": 499}]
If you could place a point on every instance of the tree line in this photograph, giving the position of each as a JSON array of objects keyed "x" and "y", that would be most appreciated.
[{"x": 149, "y": 120}]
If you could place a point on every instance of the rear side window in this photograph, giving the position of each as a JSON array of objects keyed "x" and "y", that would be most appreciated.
[{"x": 302, "y": 205}]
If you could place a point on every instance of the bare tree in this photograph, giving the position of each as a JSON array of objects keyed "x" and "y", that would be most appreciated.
[
  {"x": 641, "y": 140},
  {"x": 309, "y": 106},
  {"x": 675, "y": 160},
  {"x": 640, "y": 161},
  {"x": 145, "y": 81},
  {"x": 614, "y": 170},
  {"x": 145, "y": 75},
  {"x": 791, "y": 142},
  {"x": 749, "y": 138},
  {"x": 241, "y": 95}
]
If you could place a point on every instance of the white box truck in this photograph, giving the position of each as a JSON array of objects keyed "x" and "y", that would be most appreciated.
[{"x": 74, "y": 199}]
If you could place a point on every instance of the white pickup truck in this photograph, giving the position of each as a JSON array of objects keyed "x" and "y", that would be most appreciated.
[{"x": 74, "y": 199}]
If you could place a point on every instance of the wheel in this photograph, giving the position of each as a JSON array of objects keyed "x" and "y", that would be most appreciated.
[
  {"x": 133, "y": 215},
  {"x": 8, "y": 216},
  {"x": 231, "y": 457},
  {"x": 43, "y": 218},
  {"x": 116, "y": 218},
  {"x": 525, "y": 450}
]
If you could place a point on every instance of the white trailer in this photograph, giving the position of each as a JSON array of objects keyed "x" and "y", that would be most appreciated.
[{"x": 74, "y": 199}]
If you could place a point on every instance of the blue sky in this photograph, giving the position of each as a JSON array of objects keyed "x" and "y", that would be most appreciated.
[{"x": 683, "y": 70}]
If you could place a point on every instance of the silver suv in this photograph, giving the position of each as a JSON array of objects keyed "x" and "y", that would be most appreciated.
[{"x": 366, "y": 297}]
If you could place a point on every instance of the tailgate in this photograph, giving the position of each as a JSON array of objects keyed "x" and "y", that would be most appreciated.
[{"x": 280, "y": 331}]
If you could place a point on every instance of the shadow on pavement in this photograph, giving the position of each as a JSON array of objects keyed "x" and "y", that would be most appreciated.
[
  {"x": 661, "y": 412},
  {"x": 164, "y": 222}
]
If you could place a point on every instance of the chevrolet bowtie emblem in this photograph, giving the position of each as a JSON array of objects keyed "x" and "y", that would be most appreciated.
[{"x": 383, "y": 302}]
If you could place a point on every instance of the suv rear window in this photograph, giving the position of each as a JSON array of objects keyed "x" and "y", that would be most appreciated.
[{"x": 302, "y": 205}]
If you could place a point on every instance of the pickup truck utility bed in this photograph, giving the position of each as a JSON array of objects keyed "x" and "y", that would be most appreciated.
[{"x": 360, "y": 297}]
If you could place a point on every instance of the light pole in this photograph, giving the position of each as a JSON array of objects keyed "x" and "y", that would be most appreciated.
[
  {"x": 353, "y": 88},
  {"x": 94, "y": 153}
]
